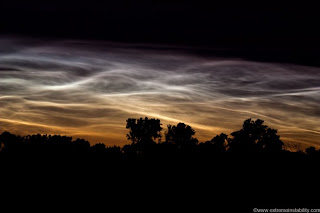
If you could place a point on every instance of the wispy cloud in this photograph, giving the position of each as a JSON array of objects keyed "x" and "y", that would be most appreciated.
[{"x": 90, "y": 89}]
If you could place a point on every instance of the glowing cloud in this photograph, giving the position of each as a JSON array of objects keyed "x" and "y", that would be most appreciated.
[{"x": 89, "y": 90}]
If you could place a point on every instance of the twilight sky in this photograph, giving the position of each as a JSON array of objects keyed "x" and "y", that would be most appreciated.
[{"x": 89, "y": 89}]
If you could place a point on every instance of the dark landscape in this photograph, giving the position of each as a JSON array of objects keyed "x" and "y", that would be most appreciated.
[{"x": 169, "y": 106}]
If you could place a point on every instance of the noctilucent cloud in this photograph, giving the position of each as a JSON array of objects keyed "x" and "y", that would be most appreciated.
[{"x": 89, "y": 89}]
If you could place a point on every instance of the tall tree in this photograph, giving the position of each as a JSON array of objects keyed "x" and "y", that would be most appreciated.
[
  {"x": 143, "y": 130},
  {"x": 255, "y": 136},
  {"x": 219, "y": 142},
  {"x": 181, "y": 135}
]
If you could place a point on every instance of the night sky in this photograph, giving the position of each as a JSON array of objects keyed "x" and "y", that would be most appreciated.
[{"x": 82, "y": 68}]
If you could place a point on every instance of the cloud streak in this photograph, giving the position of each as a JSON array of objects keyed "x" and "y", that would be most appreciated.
[{"x": 89, "y": 90}]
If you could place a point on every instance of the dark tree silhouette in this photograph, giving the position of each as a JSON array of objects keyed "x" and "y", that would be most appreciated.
[
  {"x": 311, "y": 150},
  {"x": 38, "y": 143},
  {"x": 58, "y": 143},
  {"x": 99, "y": 148},
  {"x": 253, "y": 137},
  {"x": 180, "y": 143},
  {"x": 143, "y": 131},
  {"x": 114, "y": 152},
  {"x": 80, "y": 145},
  {"x": 181, "y": 135},
  {"x": 218, "y": 144},
  {"x": 11, "y": 143}
]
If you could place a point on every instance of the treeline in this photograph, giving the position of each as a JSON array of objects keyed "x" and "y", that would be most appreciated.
[{"x": 146, "y": 142}]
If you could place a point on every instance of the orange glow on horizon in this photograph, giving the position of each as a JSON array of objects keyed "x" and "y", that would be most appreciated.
[{"x": 90, "y": 92}]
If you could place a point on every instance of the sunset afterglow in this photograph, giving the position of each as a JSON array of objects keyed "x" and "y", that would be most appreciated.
[{"x": 89, "y": 89}]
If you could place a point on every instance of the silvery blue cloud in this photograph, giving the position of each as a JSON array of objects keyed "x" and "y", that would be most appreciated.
[{"x": 89, "y": 89}]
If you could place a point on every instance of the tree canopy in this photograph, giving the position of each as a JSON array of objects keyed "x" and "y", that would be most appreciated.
[
  {"x": 255, "y": 136},
  {"x": 143, "y": 130},
  {"x": 145, "y": 136},
  {"x": 181, "y": 135}
]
